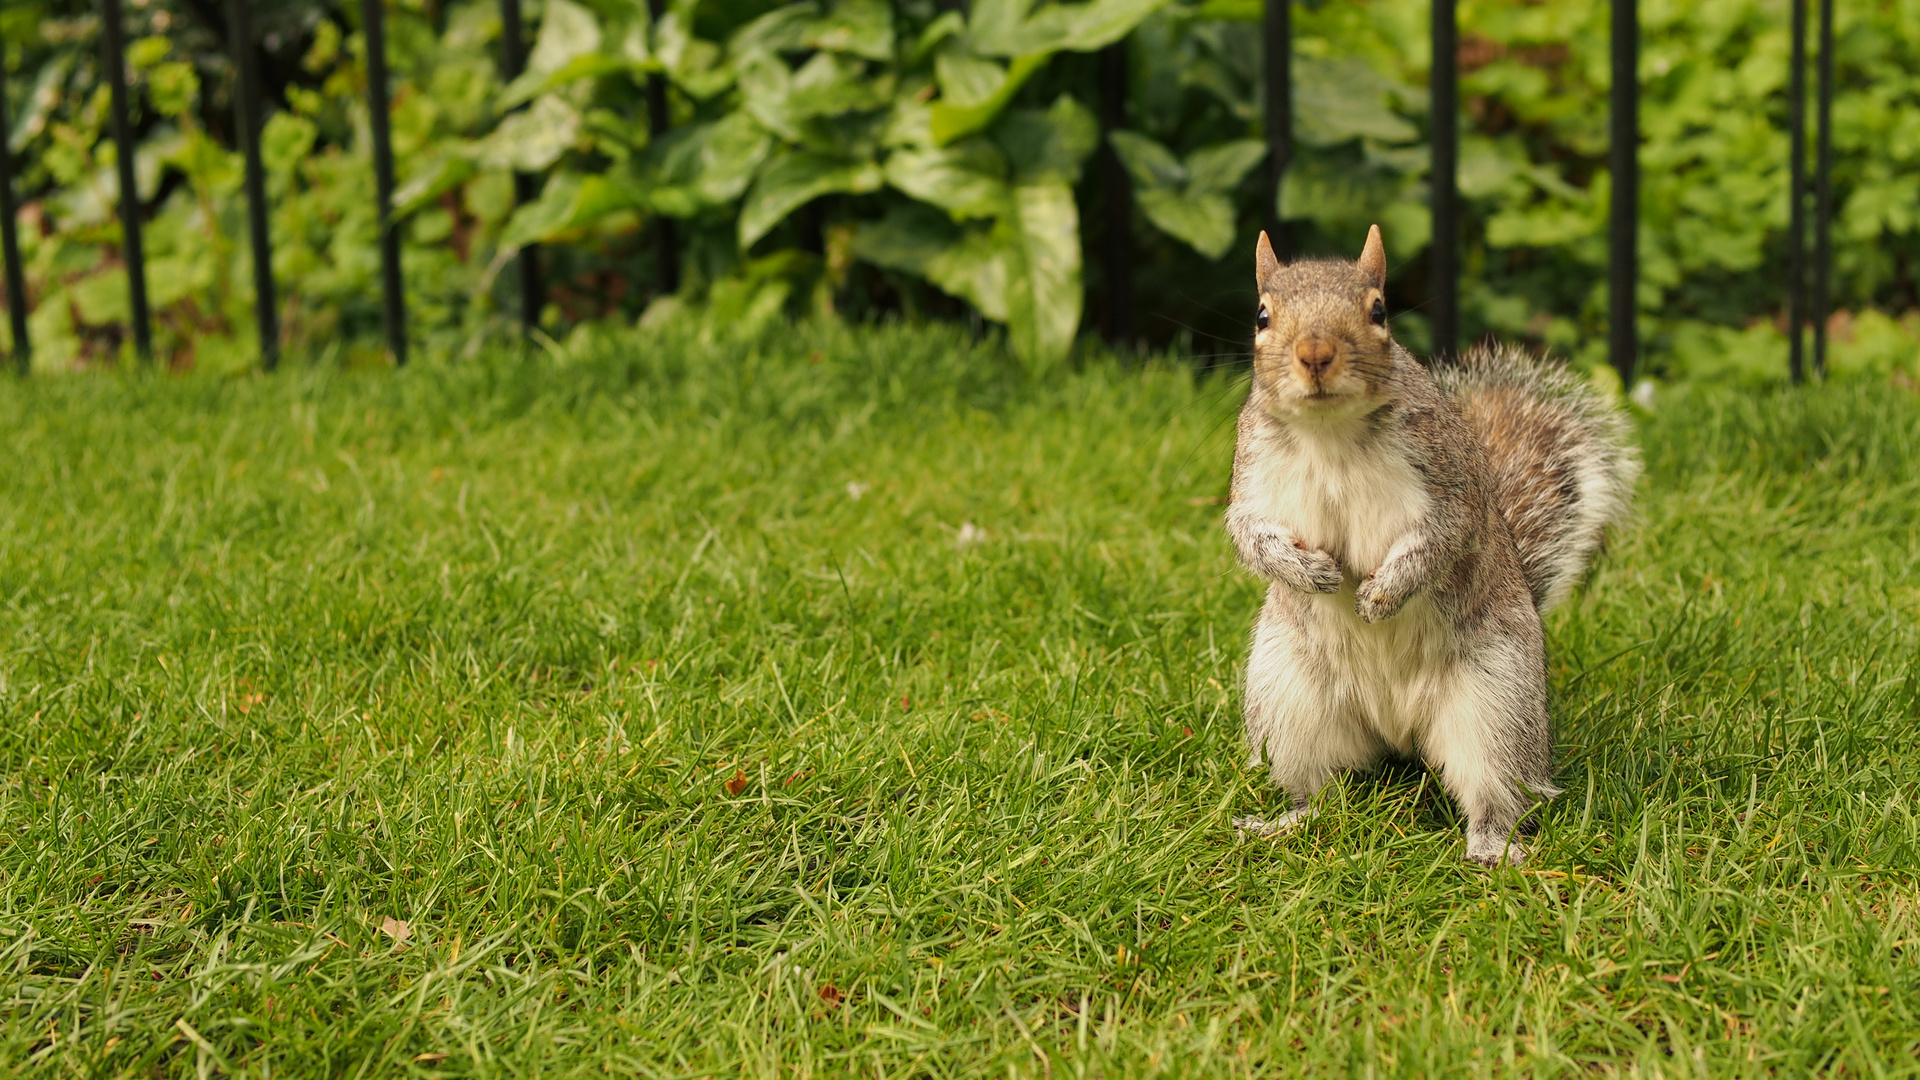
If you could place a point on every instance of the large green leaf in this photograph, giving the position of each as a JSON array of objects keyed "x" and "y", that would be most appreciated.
[
  {"x": 766, "y": 91},
  {"x": 636, "y": 38},
  {"x": 532, "y": 140},
  {"x": 1221, "y": 167},
  {"x": 567, "y": 31},
  {"x": 947, "y": 26},
  {"x": 1338, "y": 100},
  {"x": 1094, "y": 26},
  {"x": 41, "y": 101},
  {"x": 967, "y": 80},
  {"x": 794, "y": 181},
  {"x": 1047, "y": 146},
  {"x": 1016, "y": 27},
  {"x": 1408, "y": 227},
  {"x": 1205, "y": 222},
  {"x": 966, "y": 179},
  {"x": 1337, "y": 197},
  {"x": 784, "y": 29},
  {"x": 971, "y": 264},
  {"x": 1150, "y": 164},
  {"x": 438, "y": 174},
  {"x": 692, "y": 63},
  {"x": 533, "y": 83},
  {"x": 1188, "y": 201},
  {"x": 706, "y": 165},
  {"x": 731, "y": 150},
  {"x": 1044, "y": 296},
  {"x": 1233, "y": 10},
  {"x": 830, "y": 84},
  {"x": 862, "y": 28},
  {"x": 995, "y": 26},
  {"x": 567, "y": 204},
  {"x": 857, "y": 27},
  {"x": 949, "y": 122},
  {"x": 978, "y": 269}
]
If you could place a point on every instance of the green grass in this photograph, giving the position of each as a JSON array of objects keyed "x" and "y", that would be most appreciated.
[{"x": 678, "y": 759}]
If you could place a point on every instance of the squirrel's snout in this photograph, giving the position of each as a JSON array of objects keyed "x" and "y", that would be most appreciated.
[{"x": 1314, "y": 355}]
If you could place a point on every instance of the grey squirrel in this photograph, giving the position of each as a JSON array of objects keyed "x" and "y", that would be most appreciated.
[{"x": 1414, "y": 526}]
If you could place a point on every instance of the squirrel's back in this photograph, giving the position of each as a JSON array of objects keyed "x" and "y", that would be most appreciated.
[{"x": 1559, "y": 458}]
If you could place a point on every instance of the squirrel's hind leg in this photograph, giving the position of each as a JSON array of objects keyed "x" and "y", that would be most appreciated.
[
  {"x": 1301, "y": 717},
  {"x": 1490, "y": 740}
]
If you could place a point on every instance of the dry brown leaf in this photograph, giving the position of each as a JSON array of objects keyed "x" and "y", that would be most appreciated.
[
  {"x": 397, "y": 930},
  {"x": 433, "y": 1058},
  {"x": 739, "y": 782},
  {"x": 831, "y": 994}
]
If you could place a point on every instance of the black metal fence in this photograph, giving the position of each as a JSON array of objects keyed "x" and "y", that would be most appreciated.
[{"x": 1807, "y": 278}]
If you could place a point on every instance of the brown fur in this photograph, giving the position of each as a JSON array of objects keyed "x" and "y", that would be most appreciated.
[{"x": 1561, "y": 464}]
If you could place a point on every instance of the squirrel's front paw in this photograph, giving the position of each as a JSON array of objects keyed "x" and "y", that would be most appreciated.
[
  {"x": 1373, "y": 602},
  {"x": 1320, "y": 572}
]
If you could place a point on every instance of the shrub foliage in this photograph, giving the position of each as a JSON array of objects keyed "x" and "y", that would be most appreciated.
[{"x": 934, "y": 158}]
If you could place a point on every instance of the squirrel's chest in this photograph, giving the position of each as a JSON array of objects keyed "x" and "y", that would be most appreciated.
[{"x": 1353, "y": 503}]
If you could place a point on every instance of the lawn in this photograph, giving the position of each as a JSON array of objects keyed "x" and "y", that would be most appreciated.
[{"x": 847, "y": 704}]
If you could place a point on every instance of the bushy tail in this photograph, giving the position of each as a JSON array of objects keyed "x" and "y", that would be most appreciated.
[{"x": 1563, "y": 466}]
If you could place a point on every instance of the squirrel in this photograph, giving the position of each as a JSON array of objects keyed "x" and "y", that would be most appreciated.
[{"x": 1414, "y": 526}]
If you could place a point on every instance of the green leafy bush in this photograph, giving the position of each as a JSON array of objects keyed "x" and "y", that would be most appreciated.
[{"x": 863, "y": 157}]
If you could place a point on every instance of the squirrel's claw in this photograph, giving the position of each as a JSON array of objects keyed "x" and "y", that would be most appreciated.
[
  {"x": 1323, "y": 571},
  {"x": 1503, "y": 855},
  {"x": 1372, "y": 603}
]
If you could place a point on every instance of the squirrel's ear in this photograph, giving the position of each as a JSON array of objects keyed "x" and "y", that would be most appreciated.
[
  {"x": 1265, "y": 265},
  {"x": 1373, "y": 258}
]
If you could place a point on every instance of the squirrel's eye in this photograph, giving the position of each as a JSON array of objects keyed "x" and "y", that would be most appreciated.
[
  {"x": 1379, "y": 312},
  {"x": 1260, "y": 318}
]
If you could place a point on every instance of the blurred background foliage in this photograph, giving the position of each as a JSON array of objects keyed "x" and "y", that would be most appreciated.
[{"x": 937, "y": 159}]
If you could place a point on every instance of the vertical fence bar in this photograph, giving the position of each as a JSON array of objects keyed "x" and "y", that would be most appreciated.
[
  {"x": 1443, "y": 118},
  {"x": 247, "y": 109},
  {"x": 526, "y": 186},
  {"x": 393, "y": 312},
  {"x": 1796, "y": 193},
  {"x": 1623, "y": 160},
  {"x": 1823, "y": 191},
  {"x": 113, "y": 58},
  {"x": 659, "y": 119},
  {"x": 1276, "y": 43},
  {"x": 1118, "y": 193},
  {"x": 10, "y": 238}
]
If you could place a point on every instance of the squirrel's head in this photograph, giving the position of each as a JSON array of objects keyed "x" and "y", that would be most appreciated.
[{"x": 1320, "y": 341}]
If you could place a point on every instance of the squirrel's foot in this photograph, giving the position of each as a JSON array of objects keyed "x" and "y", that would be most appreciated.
[
  {"x": 1497, "y": 852},
  {"x": 1280, "y": 826}
]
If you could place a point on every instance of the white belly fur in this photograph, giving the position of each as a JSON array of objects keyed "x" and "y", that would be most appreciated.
[
  {"x": 1352, "y": 504},
  {"x": 1356, "y": 505},
  {"x": 1388, "y": 673}
]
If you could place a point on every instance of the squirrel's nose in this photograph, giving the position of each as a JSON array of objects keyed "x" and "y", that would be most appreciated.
[{"x": 1314, "y": 354}]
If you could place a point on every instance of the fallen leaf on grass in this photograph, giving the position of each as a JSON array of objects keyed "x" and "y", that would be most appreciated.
[
  {"x": 739, "y": 782},
  {"x": 831, "y": 994},
  {"x": 433, "y": 1058},
  {"x": 397, "y": 930}
]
